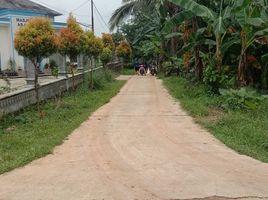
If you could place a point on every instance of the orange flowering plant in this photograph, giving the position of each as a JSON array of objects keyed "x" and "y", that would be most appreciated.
[
  {"x": 94, "y": 45},
  {"x": 71, "y": 40},
  {"x": 34, "y": 41},
  {"x": 123, "y": 50},
  {"x": 106, "y": 56},
  {"x": 108, "y": 42}
]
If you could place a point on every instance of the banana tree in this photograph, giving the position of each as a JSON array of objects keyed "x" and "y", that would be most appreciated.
[
  {"x": 252, "y": 21},
  {"x": 217, "y": 20},
  {"x": 198, "y": 39}
]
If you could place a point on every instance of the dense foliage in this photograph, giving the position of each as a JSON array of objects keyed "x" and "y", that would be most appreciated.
[
  {"x": 71, "y": 40},
  {"x": 108, "y": 41},
  {"x": 221, "y": 43},
  {"x": 106, "y": 55},
  {"x": 36, "y": 39},
  {"x": 94, "y": 45},
  {"x": 123, "y": 50}
]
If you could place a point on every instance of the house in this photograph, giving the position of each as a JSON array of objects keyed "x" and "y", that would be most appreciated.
[{"x": 13, "y": 15}]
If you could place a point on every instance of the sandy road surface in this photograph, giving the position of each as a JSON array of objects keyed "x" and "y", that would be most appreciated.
[{"x": 140, "y": 146}]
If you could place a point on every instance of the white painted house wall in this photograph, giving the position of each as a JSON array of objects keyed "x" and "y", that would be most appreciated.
[
  {"x": 16, "y": 23},
  {"x": 10, "y": 21},
  {"x": 5, "y": 46}
]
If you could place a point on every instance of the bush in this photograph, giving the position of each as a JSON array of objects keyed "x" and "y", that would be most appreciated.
[
  {"x": 54, "y": 68},
  {"x": 109, "y": 75},
  {"x": 213, "y": 79},
  {"x": 101, "y": 78},
  {"x": 243, "y": 99},
  {"x": 98, "y": 81},
  {"x": 106, "y": 56}
]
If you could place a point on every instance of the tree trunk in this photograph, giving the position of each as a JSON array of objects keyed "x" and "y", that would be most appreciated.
[
  {"x": 72, "y": 66},
  {"x": 186, "y": 34},
  {"x": 36, "y": 85},
  {"x": 198, "y": 59},
  {"x": 91, "y": 73},
  {"x": 73, "y": 81},
  {"x": 264, "y": 77},
  {"x": 198, "y": 64},
  {"x": 218, "y": 52},
  {"x": 174, "y": 43},
  {"x": 242, "y": 62},
  {"x": 162, "y": 55}
]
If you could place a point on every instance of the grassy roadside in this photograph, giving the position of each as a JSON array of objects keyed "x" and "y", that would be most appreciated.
[
  {"x": 244, "y": 131},
  {"x": 127, "y": 71},
  {"x": 25, "y": 137}
]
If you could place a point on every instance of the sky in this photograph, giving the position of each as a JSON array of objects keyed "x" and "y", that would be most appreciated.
[{"x": 81, "y": 11}]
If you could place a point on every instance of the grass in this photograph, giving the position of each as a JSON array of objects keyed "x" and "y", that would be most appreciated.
[
  {"x": 127, "y": 71},
  {"x": 244, "y": 131},
  {"x": 25, "y": 137}
]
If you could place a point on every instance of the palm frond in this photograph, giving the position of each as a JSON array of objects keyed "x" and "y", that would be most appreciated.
[
  {"x": 121, "y": 14},
  {"x": 128, "y": 8}
]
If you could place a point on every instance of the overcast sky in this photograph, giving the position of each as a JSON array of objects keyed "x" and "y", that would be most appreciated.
[{"x": 81, "y": 10}]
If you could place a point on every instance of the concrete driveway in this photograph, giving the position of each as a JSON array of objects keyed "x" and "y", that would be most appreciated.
[{"x": 140, "y": 146}]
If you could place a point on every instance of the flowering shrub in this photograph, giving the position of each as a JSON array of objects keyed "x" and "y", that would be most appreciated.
[
  {"x": 106, "y": 55},
  {"x": 94, "y": 45},
  {"x": 36, "y": 39},
  {"x": 108, "y": 41},
  {"x": 123, "y": 50},
  {"x": 71, "y": 40}
]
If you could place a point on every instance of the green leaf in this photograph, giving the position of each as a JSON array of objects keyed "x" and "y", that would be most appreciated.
[
  {"x": 198, "y": 9},
  {"x": 172, "y": 35},
  {"x": 256, "y": 21},
  {"x": 177, "y": 20},
  {"x": 219, "y": 26}
]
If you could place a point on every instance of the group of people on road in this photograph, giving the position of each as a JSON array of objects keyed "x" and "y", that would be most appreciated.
[{"x": 144, "y": 69}]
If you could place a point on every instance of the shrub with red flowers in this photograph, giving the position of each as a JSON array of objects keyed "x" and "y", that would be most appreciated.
[
  {"x": 72, "y": 39},
  {"x": 34, "y": 41},
  {"x": 123, "y": 50},
  {"x": 108, "y": 42}
]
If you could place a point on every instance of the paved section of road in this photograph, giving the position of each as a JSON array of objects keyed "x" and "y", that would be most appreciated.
[{"x": 140, "y": 146}]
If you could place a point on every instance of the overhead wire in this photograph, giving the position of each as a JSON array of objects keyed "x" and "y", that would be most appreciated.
[
  {"x": 84, "y": 3},
  {"x": 66, "y": 13},
  {"x": 100, "y": 21},
  {"x": 101, "y": 17},
  {"x": 58, "y": 9}
]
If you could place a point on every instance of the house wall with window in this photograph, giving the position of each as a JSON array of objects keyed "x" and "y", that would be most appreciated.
[{"x": 10, "y": 21}]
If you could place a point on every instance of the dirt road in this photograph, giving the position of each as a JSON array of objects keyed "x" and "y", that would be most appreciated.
[{"x": 140, "y": 146}]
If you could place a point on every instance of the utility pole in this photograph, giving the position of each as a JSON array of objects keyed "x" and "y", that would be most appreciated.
[
  {"x": 92, "y": 16},
  {"x": 92, "y": 58}
]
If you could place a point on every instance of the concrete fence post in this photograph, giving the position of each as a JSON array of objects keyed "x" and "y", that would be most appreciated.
[
  {"x": 80, "y": 63},
  {"x": 62, "y": 66},
  {"x": 30, "y": 71},
  {"x": 61, "y": 63}
]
